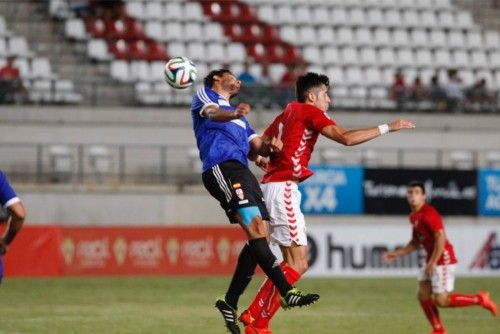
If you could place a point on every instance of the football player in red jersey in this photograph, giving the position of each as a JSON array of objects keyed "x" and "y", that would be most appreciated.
[
  {"x": 297, "y": 128},
  {"x": 437, "y": 277}
]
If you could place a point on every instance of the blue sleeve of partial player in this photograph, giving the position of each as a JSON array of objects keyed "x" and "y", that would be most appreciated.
[
  {"x": 250, "y": 132},
  {"x": 7, "y": 194},
  {"x": 203, "y": 99}
]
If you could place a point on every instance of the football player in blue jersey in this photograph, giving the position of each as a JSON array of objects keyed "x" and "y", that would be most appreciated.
[
  {"x": 11, "y": 203},
  {"x": 226, "y": 141}
]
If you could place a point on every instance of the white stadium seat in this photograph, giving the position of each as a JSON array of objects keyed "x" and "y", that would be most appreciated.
[
  {"x": 312, "y": 54},
  {"x": 303, "y": 15},
  {"x": 331, "y": 55},
  {"x": 386, "y": 57},
  {"x": 336, "y": 75},
  {"x": 266, "y": 13},
  {"x": 154, "y": 10},
  {"x": 3, "y": 47},
  {"x": 289, "y": 33},
  {"x": 442, "y": 58},
  {"x": 40, "y": 68},
  {"x": 363, "y": 36},
  {"x": 135, "y": 9},
  {"x": 75, "y": 29},
  {"x": 173, "y": 31},
  {"x": 464, "y": 19},
  {"x": 419, "y": 38},
  {"x": 494, "y": 60},
  {"x": 400, "y": 37},
  {"x": 456, "y": 39},
  {"x": 428, "y": 19},
  {"x": 492, "y": 39},
  {"x": 423, "y": 58},
  {"x": 410, "y": 18},
  {"x": 446, "y": 19},
  {"x": 437, "y": 38},
  {"x": 375, "y": 18},
  {"x": 392, "y": 18},
  {"x": 320, "y": 16},
  {"x": 154, "y": 29},
  {"x": 349, "y": 56},
  {"x": 467, "y": 77},
  {"x": 173, "y": 12},
  {"x": 120, "y": 70},
  {"x": 139, "y": 70},
  {"x": 176, "y": 49},
  {"x": 235, "y": 52},
  {"x": 373, "y": 77},
  {"x": 215, "y": 52},
  {"x": 344, "y": 36},
  {"x": 19, "y": 46},
  {"x": 460, "y": 59},
  {"x": 192, "y": 12},
  {"x": 357, "y": 16},
  {"x": 193, "y": 31},
  {"x": 479, "y": 59},
  {"x": 276, "y": 72},
  {"x": 326, "y": 35},
  {"x": 339, "y": 16},
  {"x": 405, "y": 57},
  {"x": 382, "y": 37},
  {"x": 213, "y": 32},
  {"x": 23, "y": 66},
  {"x": 97, "y": 49},
  {"x": 284, "y": 14},
  {"x": 354, "y": 76},
  {"x": 368, "y": 56},
  {"x": 156, "y": 69},
  {"x": 474, "y": 39},
  {"x": 306, "y": 35}
]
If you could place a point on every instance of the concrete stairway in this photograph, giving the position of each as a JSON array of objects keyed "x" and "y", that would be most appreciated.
[{"x": 485, "y": 12}]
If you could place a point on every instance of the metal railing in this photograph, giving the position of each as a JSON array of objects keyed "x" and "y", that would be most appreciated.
[{"x": 180, "y": 165}]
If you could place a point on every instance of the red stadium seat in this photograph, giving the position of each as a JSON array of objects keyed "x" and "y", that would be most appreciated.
[
  {"x": 134, "y": 29},
  {"x": 115, "y": 29},
  {"x": 96, "y": 27},
  {"x": 119, "y": 48},
  {"x": 137, "y": 50},
  {"x": 156, "y": 51}
]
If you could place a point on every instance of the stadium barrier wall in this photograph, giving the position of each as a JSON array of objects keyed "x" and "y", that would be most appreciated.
[{"x": 335, "y": 250}]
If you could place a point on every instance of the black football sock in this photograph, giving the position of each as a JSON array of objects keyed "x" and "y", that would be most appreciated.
[
  {"x": 241, "y": 277},
  {"x": 268, "y": 262}
]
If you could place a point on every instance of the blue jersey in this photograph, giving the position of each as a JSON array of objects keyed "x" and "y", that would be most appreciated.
[
  {"x": 219, "y": 141},
  {"x": 7, "y": 194},
  {"x": 7, "y": 198}
]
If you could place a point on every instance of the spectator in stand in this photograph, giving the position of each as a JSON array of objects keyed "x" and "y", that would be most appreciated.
[
  {"x": 10, "y": 82},
  {"x": 479, "y": 97},
  {"x": 454, "y": 92},
  {"x": 398, "y": 89},
  {"x": 245, "y": 76},
  {"x": 418, "y": 92},
  {"x": 437, "y": 93}
]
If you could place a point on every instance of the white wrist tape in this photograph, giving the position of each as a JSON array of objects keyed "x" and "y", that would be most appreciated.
[{"x": 383, "y": 128}]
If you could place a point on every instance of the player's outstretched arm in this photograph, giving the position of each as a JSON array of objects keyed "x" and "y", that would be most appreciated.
[
  {"x": 216, "y": 114},
  {"x": 16, "y": 221},
  {"x": 391, "y": 256},
  {"x": 359, "y": 136}
]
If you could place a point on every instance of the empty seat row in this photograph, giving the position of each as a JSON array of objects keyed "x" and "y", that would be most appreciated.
[
  {"x": 402, "y": 57},
  {"x": 33, "y": 68},
  {"x": 308, "y": 35},
  {"x": 176, "y": 11},
  {"x": 53, "y": 91},
  {"x": 337, "y": 16},
  {"x": 99, "y": 49},
  {"x": 15, "y": 45},
  {"x": 233, "y": 52},
  {"x": 421, "y": 4},
  {"x": 159, "y": 93},
  {"x": 184, "y": 31}
]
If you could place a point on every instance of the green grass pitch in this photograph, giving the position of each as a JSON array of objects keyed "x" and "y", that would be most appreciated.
[{"x": 184, "y": 305}]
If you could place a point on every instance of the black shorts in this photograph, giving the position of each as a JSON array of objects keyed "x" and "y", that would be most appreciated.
[{"x": 234, "y": 186}]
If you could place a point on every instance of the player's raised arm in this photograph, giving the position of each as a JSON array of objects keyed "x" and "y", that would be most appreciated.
[
  {"x": 359, "y": 136},
  {"x": 216, "y": 114},
  {"x": 409, "y": 248}
]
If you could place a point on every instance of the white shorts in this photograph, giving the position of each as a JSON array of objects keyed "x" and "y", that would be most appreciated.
[
  {"x": 442, "y": 280},
  {"x": 287, "y": 224}
]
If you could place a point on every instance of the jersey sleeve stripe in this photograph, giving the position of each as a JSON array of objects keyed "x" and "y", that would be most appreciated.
[
  {"x": 252, "y": 136},
  {"x": 11, "y": 201},
  {"x": 202, "y": 95}
]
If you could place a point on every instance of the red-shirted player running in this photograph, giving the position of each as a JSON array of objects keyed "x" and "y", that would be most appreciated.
[
  {"x": 298, "y": 128},
  {"x": 438, "y": 276}
]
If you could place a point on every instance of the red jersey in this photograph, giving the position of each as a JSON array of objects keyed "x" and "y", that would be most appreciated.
[
  {"x": 298, "y": 127},
  {"x": 426, "y": 222},
  {"x": 8, "y": 72}
]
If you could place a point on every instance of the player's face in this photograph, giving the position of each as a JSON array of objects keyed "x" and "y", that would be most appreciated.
[
  {"x": 322, "y": 99},
  {"x": 230, "y": 84},
  {"x": 415, "y": 196}
]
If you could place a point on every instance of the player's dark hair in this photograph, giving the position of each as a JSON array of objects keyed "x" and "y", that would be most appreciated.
[
  {"x": 208, "y": 81},
  {"x": 307, "y": 82},
  {"x": 418, "y": 184}
]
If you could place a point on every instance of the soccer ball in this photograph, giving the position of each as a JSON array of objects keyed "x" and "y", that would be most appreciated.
[{"x": 180, "y": 72}]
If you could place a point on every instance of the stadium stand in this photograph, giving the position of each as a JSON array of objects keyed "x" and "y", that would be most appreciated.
[
  {"x": 360, "y": 44},
  {"x": 37, "y": 82}
]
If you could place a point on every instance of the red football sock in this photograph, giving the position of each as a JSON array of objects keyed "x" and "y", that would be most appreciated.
[
  {"x": 263, "y": 294},
  {"x": 432, "y": 314},
  {"x": 461, "y": 300},
  {"x": 272, "y": 303}
]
